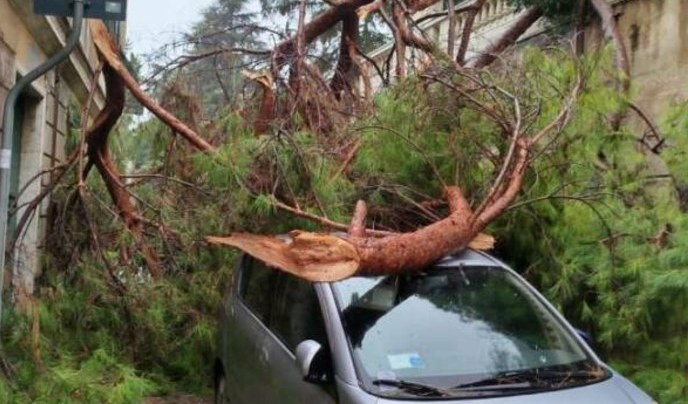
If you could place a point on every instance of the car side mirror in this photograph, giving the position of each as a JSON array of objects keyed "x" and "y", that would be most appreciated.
[{"x": 310, "y": 358}]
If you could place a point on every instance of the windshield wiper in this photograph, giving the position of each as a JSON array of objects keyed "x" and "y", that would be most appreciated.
[
  {"x": 417, "y": 389},
  {"x": 531, "y": 378}
]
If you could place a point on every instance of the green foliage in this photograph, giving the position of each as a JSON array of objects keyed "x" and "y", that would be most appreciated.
[
  {"x": 589, "y": 212},
  {"x": 99, "y": 344},
  {"x": 583, "y": 231},
  {"x": 592, "y": 245}
]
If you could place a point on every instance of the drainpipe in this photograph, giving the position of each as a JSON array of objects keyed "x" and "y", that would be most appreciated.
[{"x": 8, "y": 128}]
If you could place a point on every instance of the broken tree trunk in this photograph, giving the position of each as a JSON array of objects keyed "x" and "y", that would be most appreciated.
[
  {"x": 324, "y": 257},
  {"x": 99, "y": 154},
  {"x": 467, "y": 31},
  {"x": 330, "y": 257},
  {"x": 266, "y": 113}
]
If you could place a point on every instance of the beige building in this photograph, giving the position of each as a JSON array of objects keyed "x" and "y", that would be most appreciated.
[
  {"x": 655, "y": 33},
  {"x": 42, "y": 118}
]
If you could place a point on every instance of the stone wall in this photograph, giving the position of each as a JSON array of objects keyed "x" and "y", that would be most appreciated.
[
  {"x": 495, "y": 18},
  {"x": 26, "y": 41},
  {"x": 655, "y": 32},
  {"x": 656, "y": 35}
]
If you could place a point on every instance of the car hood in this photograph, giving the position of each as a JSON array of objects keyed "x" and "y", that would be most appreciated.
[{"x": 615, "y": 390}]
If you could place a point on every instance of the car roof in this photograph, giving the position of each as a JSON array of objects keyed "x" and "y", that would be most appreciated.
[{"x": 469, "y": 257}]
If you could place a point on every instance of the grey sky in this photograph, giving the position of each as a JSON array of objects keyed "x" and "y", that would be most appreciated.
[{"x": 152, "y": 23}]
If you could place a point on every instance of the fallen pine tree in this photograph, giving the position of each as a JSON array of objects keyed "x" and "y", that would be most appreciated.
[
  {"x": 299, "y": 150},
  {"x": 295, "y": 95},
  {"x": 323, "y": 256}
]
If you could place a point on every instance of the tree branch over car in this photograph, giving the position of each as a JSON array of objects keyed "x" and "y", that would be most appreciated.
[{"x": 294, "y": 95}]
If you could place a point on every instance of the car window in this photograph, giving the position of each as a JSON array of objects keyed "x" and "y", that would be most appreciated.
[
  {"x": 296, "y": 314},
  {"x": 256, "y": 289},
  {"x": 452, "y": 325}
]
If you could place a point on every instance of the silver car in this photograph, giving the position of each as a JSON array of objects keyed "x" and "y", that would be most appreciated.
[{"x": 468, "y": 330}]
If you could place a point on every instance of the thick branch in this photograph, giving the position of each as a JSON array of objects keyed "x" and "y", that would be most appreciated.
[
  {"x": 451, "y": 41},
  {"x": 320, "y": 24},
  {"x": 321, "y": 257},
  {"x": 396, "y": 22},
  {"x": 344, "y": 75},
  {"x": 109, "y": 51},
  {"x": 373, "y": 7},
  {"x": 457, "y": 202},
  {"x": 409, "y": 38},
  {"x": 358, "y": 222},
  {"x": 518, "y": 28},
  {"x": 98, "y": 152},
  {"x": 467, "y": 31},
  {"x": 511, "y": 191},
  {"x": 297, "y": 66},
  {"x": 416, "y": 250},
  {"x": 268, "y": 104}
]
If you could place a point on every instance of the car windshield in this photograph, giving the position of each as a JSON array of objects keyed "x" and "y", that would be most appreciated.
[{"x": 460, "y": 326}]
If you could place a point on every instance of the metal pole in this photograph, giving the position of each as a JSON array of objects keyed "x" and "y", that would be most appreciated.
[{"x": 8, "y": 128}]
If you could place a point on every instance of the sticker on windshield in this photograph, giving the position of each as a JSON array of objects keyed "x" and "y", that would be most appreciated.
[{"x": 405, "y": 361}]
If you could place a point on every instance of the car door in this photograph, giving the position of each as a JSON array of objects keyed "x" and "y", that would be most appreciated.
[
  {"x": 296, "y": 317},
  {"x": 247, "y": 368}
]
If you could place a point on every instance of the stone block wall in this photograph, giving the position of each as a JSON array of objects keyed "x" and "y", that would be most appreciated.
[{"x": 26, "y": 40}]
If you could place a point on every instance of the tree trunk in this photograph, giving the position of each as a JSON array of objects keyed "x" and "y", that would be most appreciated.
[
  {"x": 323, "y": 22},
  {"x": 467, "y": 30},
  {"x": 344, "y": 74},
  {"x": 98, "y": 152},
  {"x": 417, "y": 250},
  {"x": 399, "y": 42}
]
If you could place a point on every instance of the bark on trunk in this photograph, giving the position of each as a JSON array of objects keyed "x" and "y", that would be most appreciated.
[
  {"x": 98, "y": 152},
  {"x": 358, "y": 223},
  {"x": 344, "y": 76},
  {"x": 320, "y": 257},
  {"x": 399, "y": 42},
  {"x": 611, "y": 32},
  {"x": 467, "y": 31},
  {"x": 417, "y": 250},
  {"x": 320, "y": 24},
  {"x": 268, "y": 104}
]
